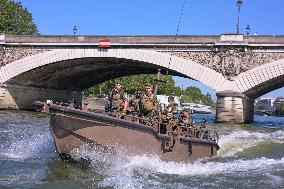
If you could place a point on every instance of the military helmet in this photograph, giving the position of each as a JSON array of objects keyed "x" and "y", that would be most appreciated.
[
  {"x": 149, "y": 86},
  {"x": 117, "y": 83},
  {"x": 185, "y": 114},
  {"x": 171, "y": 98},
  {"x": 185, "y": 110}
]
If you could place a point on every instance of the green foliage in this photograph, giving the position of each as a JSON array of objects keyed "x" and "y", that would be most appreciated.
[
  {"x": 138, "y": 82},
  {"x": 177, "y": 91},
  {"x": 134, "y": 82},
  {"x": 280, "y": 109},
  {"x": 208, "y": 100},
  {"x": 167, "y": 88},
  {"x": 193, "y": 94},
  {"x": 260, "y": 107},
  {"x": 16, "y": 19}
]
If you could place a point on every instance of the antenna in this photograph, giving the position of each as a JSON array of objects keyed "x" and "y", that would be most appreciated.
[
  {"x": 158, "y": 80},
  {"x": 178, "y": 26}
]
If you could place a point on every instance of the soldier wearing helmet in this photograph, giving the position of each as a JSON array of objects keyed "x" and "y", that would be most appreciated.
[
  {"x": 135, "y": 102},
  {"x": 149, "y": 102},
  {"x": 118, "y": 98},
  {"x": 186, "y": 118},
  {"x": 172, "y": 107}
]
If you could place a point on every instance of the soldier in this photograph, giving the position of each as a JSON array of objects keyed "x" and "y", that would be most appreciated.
[
  {"x": 149, "y": 102},
  {"x": 135, "y": 102},
  {"x": 186, "y": 119},
  {"x": 118, "y": 99},
  {"x": 172, "y": 107}
]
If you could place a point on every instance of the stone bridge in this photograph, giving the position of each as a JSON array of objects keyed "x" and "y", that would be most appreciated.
[{"x": 239, "y": 68}]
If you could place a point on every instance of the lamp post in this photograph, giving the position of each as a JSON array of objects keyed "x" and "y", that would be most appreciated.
[
  {"x": 247, "y": 29},
  {"x": 239, "y": 4},
  {"x": 74, "y": 30}
]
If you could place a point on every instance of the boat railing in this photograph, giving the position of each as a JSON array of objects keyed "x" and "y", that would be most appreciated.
[
  {"x": 150, "y": 122},
  {"x": 197, "y": 131}
]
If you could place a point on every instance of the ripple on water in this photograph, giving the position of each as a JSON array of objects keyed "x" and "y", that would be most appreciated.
[
  {"x": 27, "y": 157},
  {"x": 124, "y": 171},
  {"x": 29, "y": 147},
  {"x": 238, "y": 141}
]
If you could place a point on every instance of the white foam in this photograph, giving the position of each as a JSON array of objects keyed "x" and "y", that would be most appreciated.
[
  {"x": 237, "y": 141},
  {"x": 133, "y": 172},
  {"x": 199, "y": 168},
  {"x": 109, "y": 164}
]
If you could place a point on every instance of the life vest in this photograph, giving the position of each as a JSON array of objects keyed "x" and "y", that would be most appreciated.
[
  {"x": 187, "y": 121},
  {"x": 172, "y": 107},
  {"x": 148, "y": 103},
  {"x": 117, "y": 99}
]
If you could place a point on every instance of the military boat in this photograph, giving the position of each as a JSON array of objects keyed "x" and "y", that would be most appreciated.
[{"x": 73, "y": 128}]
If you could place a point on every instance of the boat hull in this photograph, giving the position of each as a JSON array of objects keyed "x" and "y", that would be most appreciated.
[{"x": 74, "y": 128}]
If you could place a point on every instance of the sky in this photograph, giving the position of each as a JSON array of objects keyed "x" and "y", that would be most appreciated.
[{"x": 158, "y": 17}]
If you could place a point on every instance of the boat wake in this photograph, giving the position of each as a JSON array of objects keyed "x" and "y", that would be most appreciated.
[
  {"x": 122, "y": 171},
  {"x": 238, "y": 141}
]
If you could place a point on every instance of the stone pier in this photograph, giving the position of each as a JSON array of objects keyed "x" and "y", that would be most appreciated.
[
  {"x": 234, "y": 107},
  {"x": 22, "y": 97}
]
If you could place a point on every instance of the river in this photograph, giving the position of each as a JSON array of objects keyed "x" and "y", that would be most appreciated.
[{"x": 251, "y": 156}]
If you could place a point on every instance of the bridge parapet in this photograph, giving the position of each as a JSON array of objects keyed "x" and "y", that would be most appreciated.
[{"x": 186, "y": 40}]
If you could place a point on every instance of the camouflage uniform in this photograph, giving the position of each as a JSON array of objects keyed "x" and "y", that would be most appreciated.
[
  {"x": 187, "y": 121},
  {"x": 135, "y": 102},
  {"x": 171, "y": 110},
  {"x": 172, "y": 107},
  {"x": 118, "y": 98},
  {"x": 149, "y": 105}
]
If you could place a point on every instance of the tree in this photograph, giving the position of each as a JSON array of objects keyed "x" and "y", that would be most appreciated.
[
  {"x": 260, "y": 107},
  {"x": 280, "y": 109},
  {"x": 192, "y": 94},
  {"x": 16, "y": 19},
  {"x": 207, "y": 100},
  {"x": 167, "y": 88},
  {"x": 178, "y": 91},
  {"x": 135, "y": 82}
]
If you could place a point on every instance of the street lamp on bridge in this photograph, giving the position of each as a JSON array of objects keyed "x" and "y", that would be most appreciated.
[
  {"x": 74, "y": 30},
  {"x": 247, "y": 29},
  {"x": 239, "y": 4}
]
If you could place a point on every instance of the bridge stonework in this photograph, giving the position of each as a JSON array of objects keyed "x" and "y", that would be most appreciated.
[
  {"x": 239, "y": 68},
  {"x": 231, "y": 61}
]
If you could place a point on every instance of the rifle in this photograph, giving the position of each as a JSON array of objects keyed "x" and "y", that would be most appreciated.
[{"x": 158, "y": 80}]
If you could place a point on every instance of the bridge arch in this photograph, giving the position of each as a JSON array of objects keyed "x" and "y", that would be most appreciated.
[
  {"x": 262, "y": 79},
  {"x": 140, "y": 61}
]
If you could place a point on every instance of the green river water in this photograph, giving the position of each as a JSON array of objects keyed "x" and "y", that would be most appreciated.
[{"x": 251, "y": 156}]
